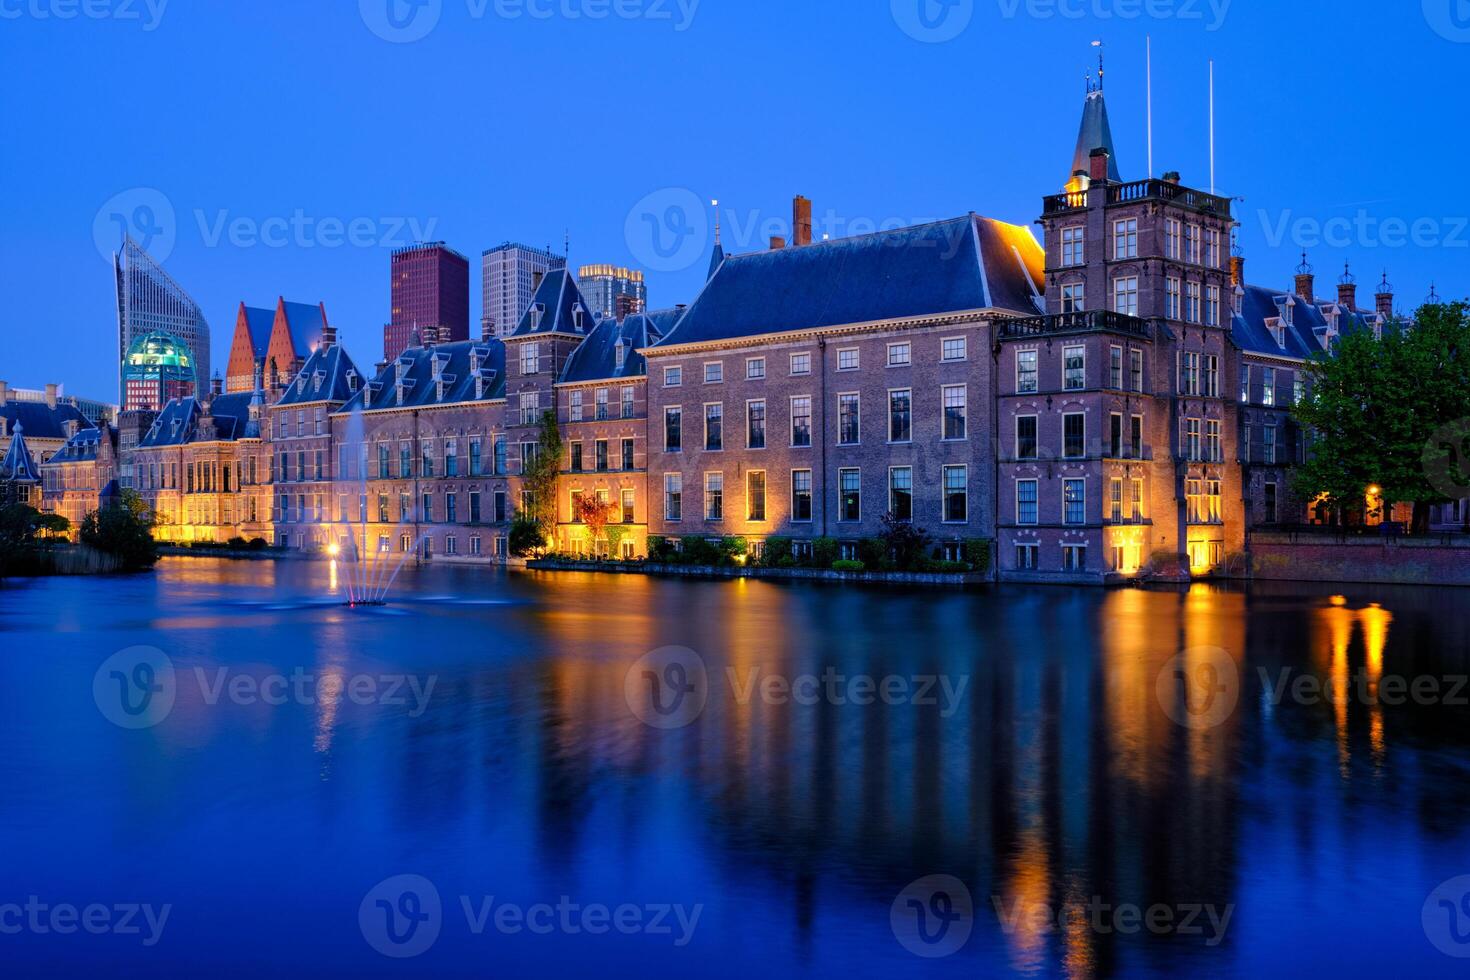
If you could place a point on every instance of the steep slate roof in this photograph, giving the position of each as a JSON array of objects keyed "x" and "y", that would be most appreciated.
[
  {"x": 969, "y": 263},
  {"x": 327, "y": 376},
  {"x": 596, "y": 357},
  {"x": 1304, "y": 337},
  {"x": 715, "y": 258},
  {"x": 81, "y": 447},
  {"x": 40, "y": 420},
  {"x": 259, "y": 323},
  {"x": 231, "y": 414},
  {"x": 174, "y": 425},
  {"x": 558, "y": 298},
  {"x": 18, "y": 466},
  {"x": 1093, "y": 133},
  {"x": 417, "y": 369},
  {"x": 305, "y": 321}
]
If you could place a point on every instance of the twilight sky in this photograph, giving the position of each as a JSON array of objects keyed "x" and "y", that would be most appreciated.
[{"x": 280, "y": 147}]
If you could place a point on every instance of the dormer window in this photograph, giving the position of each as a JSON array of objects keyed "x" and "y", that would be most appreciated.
[
  {"x": 620, "y": 354},
  {"x": 537, "y": 311},
  {"x": 578, "y": 313},
  {"x": 1288, "y": 312},
  {"x": 352, "y": 381}
]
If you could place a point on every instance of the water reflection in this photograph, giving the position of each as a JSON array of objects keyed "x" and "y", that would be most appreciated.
[{"x": 1055, "y": 780}]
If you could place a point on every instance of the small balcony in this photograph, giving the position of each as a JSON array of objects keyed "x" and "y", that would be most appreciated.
[
  {"x": 1090, "y": 321},
  {"x": 1141, "y": 190}
]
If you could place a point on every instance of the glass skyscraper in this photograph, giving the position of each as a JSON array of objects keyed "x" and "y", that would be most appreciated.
[
  {"x": 430, "y": 288},
  {"x": 509, "y": 275},
  {"x": 150, "y": 302},
  {"x": 603, "y": 285}
]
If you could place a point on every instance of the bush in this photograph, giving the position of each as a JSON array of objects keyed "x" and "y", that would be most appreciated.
[
  {"x": 848, "y": 565},
  {"x": 124, "y": 531},
  {"x": 824, "y": 552},
  {"x": 732, "y": 548},
  {"x": 236, "y": 544},
  {"x": 873, "y": 553},
  {"x": 906, "y": 543},
  {"x": 258, "y": 544},
  {"x": 777, "y": 548},
  {"x": 787, "y": 560},
  {"x": 525, "y": 536},
  {"x": 661, "y": 550},
  {"x": 948, "y": 566},
  {"x": 977, "y": 553}
]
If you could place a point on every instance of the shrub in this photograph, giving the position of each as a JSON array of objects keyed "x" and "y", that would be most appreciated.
[
  {"x": 258, "y": 544},
  {"x": 236, "y": 543},
  {"x": 873, "y": 553},
  {"x": 787, "y": 560},
  {"x": 776, "y": 549},
  {"x": 847, "y": 565},
  {"x": 731, "y": 548},
  {"x": 824, "y": 552},
  {"x": 124, "y": 531},
  {"x": 661, "y": 549},
  {"x": 949, "y": 566},
  {"x": 525, "y": 536},
  {"x": 977, "y": 553},
  {"x": 906, "y": 543}
]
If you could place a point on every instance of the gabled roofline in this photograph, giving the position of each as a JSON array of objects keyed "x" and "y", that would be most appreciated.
[{"x": 868, "y": 326}]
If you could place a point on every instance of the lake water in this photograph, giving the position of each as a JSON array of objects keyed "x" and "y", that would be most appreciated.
[{"x": 829, "y": 781}]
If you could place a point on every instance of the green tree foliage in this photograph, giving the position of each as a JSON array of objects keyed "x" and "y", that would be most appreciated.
[
  {"x": 540, "y": 476},
  {"x": 525, "y": 536},
  {"x": 124, "y": 530},
  {"x": 1376, "y": 405}
]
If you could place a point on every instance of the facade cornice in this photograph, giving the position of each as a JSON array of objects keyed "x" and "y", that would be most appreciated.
[{"x": 819, "y": 333}]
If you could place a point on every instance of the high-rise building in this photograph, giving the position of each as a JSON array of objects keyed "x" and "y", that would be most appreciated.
[
  {"x": 604, "y": 285},
  {"x": 509, "y": 276},
  {"x": 431, "y": 288},
  {"x": 150, "y": 302}
]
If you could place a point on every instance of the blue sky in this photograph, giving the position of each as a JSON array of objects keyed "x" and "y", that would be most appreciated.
[{"x": 293, "y": 144}]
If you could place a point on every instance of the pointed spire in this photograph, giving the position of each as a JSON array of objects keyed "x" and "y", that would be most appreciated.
[
  {"x": 715, "y": 203},
  {"x": 1094, "y": 133}
]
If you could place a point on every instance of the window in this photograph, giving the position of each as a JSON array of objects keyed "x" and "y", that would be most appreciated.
[
  {"x": 755, "y": 425},
  {"x": 1211, "y": 386},
  {"x": 1074, "y": 502},
  {"x": 673, "y": 496},
  {"x": 1245, "y": 383},
  {"x": 1172, "y": 302},
  {"x": 847, "y": 359},
  {"x": 849, "y": 488},
  {"x": 1188, "y": 373},
  {"x": 1074, "y": 297},
  {"x": 1192, "y": 445},
  {"x": 1125, "y": 295},
  {"x": 628, "y": 506},
  {"x": 574, "y": 406},
  {"x": 428, "y": 514},
  {"x": 1268, "y": 386},
  {"x": 1271, "y": 505},
  {"x": 673, "y": 429},
  {"x": 801, "y": 363},
  {"x": 956, "y": 494},
  {"x": 1193, "y": 502},
  {"x": 1212, "y": 247},
  {"x": 714, "y": 372},
  {"x": 1115, "y": 500},
  {"x": 475, "y": 507},
  {"x": 801, "y": 420},
  {"x": 530, "y": 403},
  {"x": 530, "y": 358},
  {"x": 1074, "y": 557},
  {"x": 848, "y": 428},
  {"x": 1135, "y": 436},
  {"x": 1135, "y": 370},
  {"x": 1026, "y": 371},
  {"x": 502, "y": 456},
  {"x": 1212, "y": 501},
  {"x": 900, "y": 415},
  {"x": 1212, "y": 306},
  {"x": 1074, "y": 368},
  {"x": 628, "y": 461},
  {"x": 1135, "y": 501},
  {"x": 627, "y": 396},
  {"x": 1074, "y": 435},
  {"x": 602, "y": 404},
  {"x": 1298, "y": 391},
  {"x": 1213, "y": 452},
  {"x": 755, "y": 368},
  {"x": 900, "y": 355},
  {"x": 801, "y": 495},
  {"x": 1026, "y": 437},
  {"x": 451, "y": 508},
  {"x": 1191, "y": 244},
  {"x": 1026, "y": 502},
  {"x": 1073, "y": 242},
  {"x": 405, "y": 461},
  {"x": 1268, "y": 444},
  {"x": 1172, "y": 232},
  {"x": 673, "y": 376},
  {"x": 576, "y": 451},
  {"x": 953, "y": 349},
  {"x": 599, "y": 455},
  {"x": 1125, "y": 239},
  {"x": 755, "y": 495},
  {"x": 1027, "y": 556},
  {"x": 901, "y": 492},
  {"x": 476, "y": 465},
  {"x": 500, "y": 508},
  {"x": 714, "y": 427},
  {"x": 714, "y": 496},
  {"x": 954, "y": 411},
  {"x": 1191, "y": 302},
  {"x": 1115, "y": 367},
  {"x": 1115, "y": 435}
]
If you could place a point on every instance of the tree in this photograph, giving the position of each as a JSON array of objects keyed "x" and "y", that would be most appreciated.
[
  {"x": 525, "y": 536},
  {"x": 594, "y": 512},
  {"x": 905, "y": 543},
  {"x": 1378, "y": 408},
  {"x": 615, "y": 535},
  {"x": 18, "y": 526},
  {"x": 124, "y": 530},
  {"x": 540, "y": 476}
]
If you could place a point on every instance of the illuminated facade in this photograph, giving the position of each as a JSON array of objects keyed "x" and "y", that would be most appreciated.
[
  {"x": 150, "y": 302},
  {"x": 607, "y": 287},
  {"x": 158, "y": 368}
]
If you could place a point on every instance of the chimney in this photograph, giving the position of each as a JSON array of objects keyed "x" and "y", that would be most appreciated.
[
  {"x": 51, "y": 396},
  {"x": 1304, "y": 279},
  {"x": 1382, "y": 300},
  {"x": 1171, "y": 177},
  {"x": 4, "y": 392},
  {"x": 1347, "y": 289},
  {"x": 487, "y": 330},
  {"x": 70, "y": 428},
  {"x": 430, "y": 336},
  {"x": 536, "y": 278},
  {"x": 801, "y": 220},
  {"x": 216, "y": 386},
  {"x": 329, "y": 336},
  {"x": 1098, "y": 162},
  {"x": 1237, "y": 270},
  {"x": 777, "y": 242}
]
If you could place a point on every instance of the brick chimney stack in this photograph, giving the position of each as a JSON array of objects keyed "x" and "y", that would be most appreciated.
[
  {"x": 1098, "y": 162},
  {"x": 1237, "y": 271},
  {"x": 1347, "y": 289},
  {"x": 801, "y": 220},
  {"x": 4, "y": 392},
  {"x": 51, "y": 396},
  {"x": 487, "y": 330},
  {"x": 430, "y": 336},
  {"x": 1172, "y": 177},
  {"x": 1383, "y": 298},
  {"x": 1304, "y": 279},
  {"x": 777, "y": 242},
  {"x": 216, "y": 386}
]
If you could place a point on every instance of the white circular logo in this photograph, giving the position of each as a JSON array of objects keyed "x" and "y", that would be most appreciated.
[
  {"x": 933, "y": 21},
  {"x": 933, "y": 916},
  {"x": 1450, "y": 19},
  {"x": 667, "y": 230},
  {"x": 1200, "y": 687},
  {"x": 145, "y": 214},
  {"x": 401, "y": 916},
  {"x": 1446, "y": 917},
  {"x": 135, "y": 688},
  {"x": 667, "y": 688},
  {"x": 400, "y": 21}
]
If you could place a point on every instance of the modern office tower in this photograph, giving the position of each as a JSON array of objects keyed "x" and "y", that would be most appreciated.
[
  {"x": 158, "y": 368},
  {"x": 509, "y": 276},
  {"x": 430, "y": 288},
  {"x": 150, "y": 302},
  {"x": 604, "y": 285}
]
